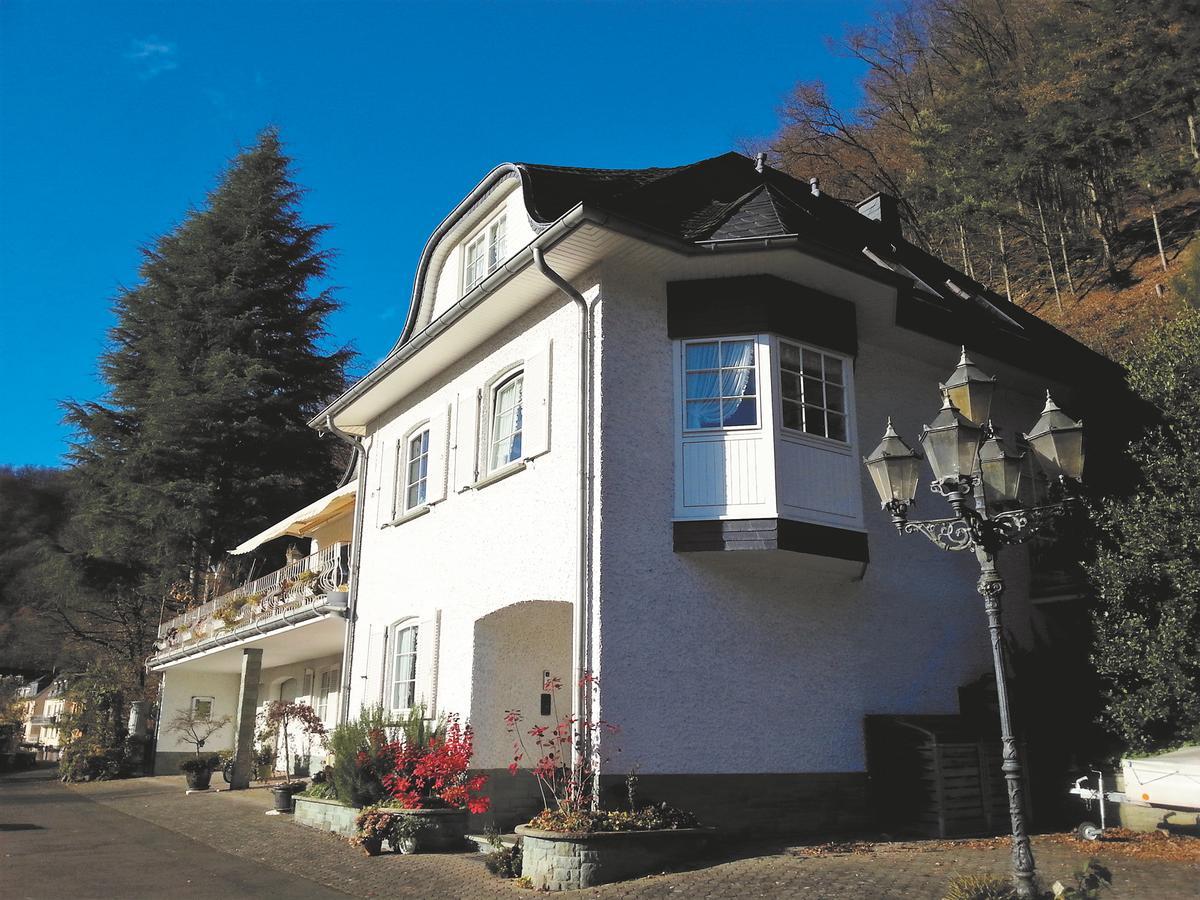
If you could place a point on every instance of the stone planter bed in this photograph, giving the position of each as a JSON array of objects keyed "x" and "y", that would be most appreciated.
[
  {"x": 558, "y": 861},
  {"x": 327, "y": 815}
]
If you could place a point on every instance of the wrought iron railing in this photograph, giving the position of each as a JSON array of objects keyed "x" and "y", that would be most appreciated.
[{"x": 297, "y": 585}]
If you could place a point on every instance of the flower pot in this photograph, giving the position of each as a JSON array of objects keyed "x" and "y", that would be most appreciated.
[
  {"x": 283, "y": 798},
  {"x": 336, "y": 600},
  {"x": 372, "y": 846},
  {"x": 440, "y": 829},
  {"x": 198, "y": 780}
]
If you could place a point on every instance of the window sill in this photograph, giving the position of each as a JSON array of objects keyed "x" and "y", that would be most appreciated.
[
  {"x": 415, "y": 513},
  {"x": 814, "y": 440},
  {"x": 499, "y": 474}
]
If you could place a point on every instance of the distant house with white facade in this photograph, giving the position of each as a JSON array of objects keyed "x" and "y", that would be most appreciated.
[{"x": 621, "y": 433}]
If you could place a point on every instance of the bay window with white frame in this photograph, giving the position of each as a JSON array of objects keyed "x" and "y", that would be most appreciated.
[
  {"x": 812, "y": 388},
  {"x": 720, "y": 384}
]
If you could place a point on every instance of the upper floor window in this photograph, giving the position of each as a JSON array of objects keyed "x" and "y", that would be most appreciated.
[
  {"x": 504, "y": 432},
  {"x": 720, "y": 387},
  {"x": 416, "y": 470},
  {"x": 404, "y": 668},
  {"x": 813, "y": 388},
  {"x": 484, "y": 253}
]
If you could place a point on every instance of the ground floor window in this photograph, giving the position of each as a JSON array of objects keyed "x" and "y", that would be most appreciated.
[{"x": 404, "y": 668}]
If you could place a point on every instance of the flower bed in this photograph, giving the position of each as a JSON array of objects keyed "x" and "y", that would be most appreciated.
[{"x": 564, "y": 861}]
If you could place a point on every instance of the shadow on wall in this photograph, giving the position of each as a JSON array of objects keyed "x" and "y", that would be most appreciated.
[{"x": 514, "y": 648}]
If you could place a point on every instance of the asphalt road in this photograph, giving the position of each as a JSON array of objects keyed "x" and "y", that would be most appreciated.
[{"x": 56, "y": 844}]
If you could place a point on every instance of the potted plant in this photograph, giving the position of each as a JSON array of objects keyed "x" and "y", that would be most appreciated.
[
  {"x": 374, "y": 824},
  {"x": 302, "y": 719},
  {"x": 339, "y": 597},
  {"x": 199, "y": 771},
  {"x": 574, "y": 843},
  {"x": 431, "y": 786},
  {"x": 196, "y": 728}
]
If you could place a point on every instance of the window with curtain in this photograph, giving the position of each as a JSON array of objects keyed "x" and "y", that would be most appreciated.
[
  {"x": 504, "y": 442},
  {"x": 813, "y": 388},
  {"x": 416, "y": 470},
  {"x": 720, "y": 387},
  {"x": 484, "y": 253},
  {"x": 404, "y": 668}
]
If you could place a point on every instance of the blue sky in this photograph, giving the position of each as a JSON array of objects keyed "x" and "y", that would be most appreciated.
[{"x": 116, "y": 117}]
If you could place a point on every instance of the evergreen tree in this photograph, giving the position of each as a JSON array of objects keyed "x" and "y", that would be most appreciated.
[
  {"x": 1147, "y": 570},
  {"x": 214, "y": 366}
]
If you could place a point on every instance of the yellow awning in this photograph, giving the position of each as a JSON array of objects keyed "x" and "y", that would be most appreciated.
[{"x": 304, "y": 521}]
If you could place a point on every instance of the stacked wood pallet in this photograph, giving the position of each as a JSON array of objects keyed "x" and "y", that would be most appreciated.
[{"x": 931, "y": 776}]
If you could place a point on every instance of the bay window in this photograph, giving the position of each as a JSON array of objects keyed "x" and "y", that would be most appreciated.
[
  {"x": 812, "y": 391},
  {"x": 720, "y": 386}
]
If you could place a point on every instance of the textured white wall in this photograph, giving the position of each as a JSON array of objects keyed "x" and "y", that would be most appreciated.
[
  {"x": 182, "y": 684},
  {"x": 479, "y": 550},
  {"x": 737, "y": 662}
]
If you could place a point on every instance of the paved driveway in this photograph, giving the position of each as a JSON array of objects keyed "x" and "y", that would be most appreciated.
[
  {"x": 266, "y": 856},
  {"x": 56, "y": 843}
]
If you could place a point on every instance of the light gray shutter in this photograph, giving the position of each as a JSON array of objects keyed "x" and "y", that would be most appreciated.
[
  {"x": 535, "y": 405},
  {"x": 429, "y": 645},
  {"x": 374, "y": 667},
  {"x": 466, "y": 441},
  {"x": 439, "y": 445},
  {"x": 386, "y": 481}
]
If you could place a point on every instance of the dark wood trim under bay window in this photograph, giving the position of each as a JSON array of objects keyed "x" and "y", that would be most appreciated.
[{"x": 770, "y": 534}]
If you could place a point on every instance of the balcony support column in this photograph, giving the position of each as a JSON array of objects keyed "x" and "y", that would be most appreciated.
[{"x": 247, "y": 714}]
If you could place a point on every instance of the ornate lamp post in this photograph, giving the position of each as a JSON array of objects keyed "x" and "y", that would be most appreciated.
[{"x": 981, "y": 479}]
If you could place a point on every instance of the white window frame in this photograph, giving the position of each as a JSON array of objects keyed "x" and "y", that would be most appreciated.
[
  {"x": 400, "y": 504},
  {"x": 489, "y": 434},
  {"x": 492, "y": 239},
  {"x": 212, "y": 703},
  {"x": 325, "y": 687},
  {"x": 395, "y": 631},
  {"x": 758, "y": 383},
  {"x": 847, "y": 401}
]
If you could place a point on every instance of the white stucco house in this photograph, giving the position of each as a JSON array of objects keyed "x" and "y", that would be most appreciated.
[{"x": 621, "y": 432}]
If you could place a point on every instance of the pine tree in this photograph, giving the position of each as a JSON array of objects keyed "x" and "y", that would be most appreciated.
[{"x": 214, "y": 366}]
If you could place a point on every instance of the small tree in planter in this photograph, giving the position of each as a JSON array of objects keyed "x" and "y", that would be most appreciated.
[
  {"x": 302, "y": 719},
  {"x": 195, "y": 729}
]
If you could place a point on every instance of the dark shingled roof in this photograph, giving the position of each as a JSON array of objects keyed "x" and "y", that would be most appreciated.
[{"x": 727, "y": 198}]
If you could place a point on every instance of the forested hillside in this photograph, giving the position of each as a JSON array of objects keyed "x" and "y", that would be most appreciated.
[{"x": 1048, "y": 147}]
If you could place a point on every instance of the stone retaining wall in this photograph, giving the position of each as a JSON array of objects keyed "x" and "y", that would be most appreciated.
[
  {"x": 565, "y": 862},
  {"x": 327, "y": 815}
]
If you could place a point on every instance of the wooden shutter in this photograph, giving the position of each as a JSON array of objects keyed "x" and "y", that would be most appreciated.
[
  {"x": 429, "y": 641},
  {"x": 466, "y": 441},
  {"x": 439, "y": 445},
  {"x": 535, "y": 403}
]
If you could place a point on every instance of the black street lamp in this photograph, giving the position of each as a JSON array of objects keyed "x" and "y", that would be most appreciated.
[{"x": 981, "y": 479}]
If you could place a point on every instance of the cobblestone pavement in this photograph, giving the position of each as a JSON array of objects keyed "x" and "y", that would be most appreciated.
[{"x": 235, "y": 823}]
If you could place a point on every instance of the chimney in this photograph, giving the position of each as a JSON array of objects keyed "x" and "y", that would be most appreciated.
[
  {"x": 884, "y": 209},
  {"x": 814, "y": 185},
  {"x": 760, "y": 162}
]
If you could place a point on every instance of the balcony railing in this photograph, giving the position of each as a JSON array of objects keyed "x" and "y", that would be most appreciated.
[
  {"x": 43, "y": 720},
  {"x": 298, "y": 586}
]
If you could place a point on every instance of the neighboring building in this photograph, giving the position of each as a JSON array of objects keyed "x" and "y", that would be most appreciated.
[
  {"x": 289, "y": 624},
  {"x": 54, "y": 705},
  {"x": 34, "y": 694}
]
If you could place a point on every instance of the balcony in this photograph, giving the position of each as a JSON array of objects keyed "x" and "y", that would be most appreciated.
[
  {"x": 43, "y": 720},
  {"x": 297, "y": 593}
]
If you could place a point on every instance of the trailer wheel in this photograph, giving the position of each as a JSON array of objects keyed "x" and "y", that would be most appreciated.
[{"x": 1089, "y": 831}]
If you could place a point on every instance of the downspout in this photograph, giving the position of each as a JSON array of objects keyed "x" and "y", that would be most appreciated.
[
  {"x": 581, "y": 698},
  {"x": 355, "y": 557}
]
